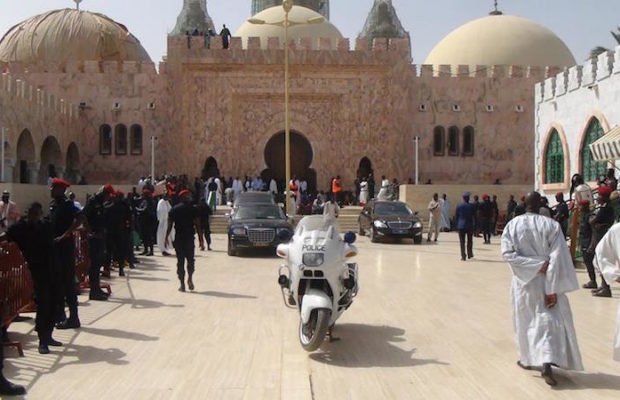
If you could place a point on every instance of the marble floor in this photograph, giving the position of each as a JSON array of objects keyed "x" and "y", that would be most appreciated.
[{"x": 424, "y": 326}]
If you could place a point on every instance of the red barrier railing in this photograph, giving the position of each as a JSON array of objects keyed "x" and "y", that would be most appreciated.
[{"x": 16, "y": 290}]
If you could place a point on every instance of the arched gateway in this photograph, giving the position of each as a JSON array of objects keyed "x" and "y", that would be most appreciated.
[{"x": 301, "y": 159}]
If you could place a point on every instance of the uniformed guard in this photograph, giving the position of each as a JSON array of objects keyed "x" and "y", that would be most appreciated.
[
  {"x": 186, "y": 221},
  {"x": 94, "y": 212},
  {"x": 64, "y": 219},
  {"x": 147, "y": 215},
  {"x": 34, "y": 238}
]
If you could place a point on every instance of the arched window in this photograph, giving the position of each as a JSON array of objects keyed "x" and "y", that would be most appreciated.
[
  {"x": 453, "y": 141},
  {"x": 468, "y": 141},
  {"x": 554, "y": 159},
  {"x": 105, "y": 140},
  {"x": 136, "y": 139},
  {"x": 439, "y": 141},
  {"x": 120, "y": 139},
  {"x": 590, "y": 169}
]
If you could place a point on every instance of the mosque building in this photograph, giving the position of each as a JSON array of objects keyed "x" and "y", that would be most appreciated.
[{"x": 80, "y": 96}]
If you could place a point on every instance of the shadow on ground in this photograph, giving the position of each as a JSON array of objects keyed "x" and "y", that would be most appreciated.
[
  {"x": 367, "y": 346},
  {"x": 224, "y": 295},
  {"x": 118, "y": 333}
]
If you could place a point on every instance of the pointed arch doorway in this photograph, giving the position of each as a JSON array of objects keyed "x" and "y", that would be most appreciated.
[{"x": 301, "y": 160}]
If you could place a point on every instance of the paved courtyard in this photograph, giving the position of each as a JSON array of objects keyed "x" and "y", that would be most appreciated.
[{"x": 425, "y": 326}]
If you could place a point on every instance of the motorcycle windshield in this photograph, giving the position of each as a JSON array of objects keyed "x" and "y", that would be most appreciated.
[{"x": 317, "y": 223}]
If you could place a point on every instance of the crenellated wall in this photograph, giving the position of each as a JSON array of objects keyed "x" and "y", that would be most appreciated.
[
  {"x": 356, "y": 100},
  {"x": 567, "y": 102}
]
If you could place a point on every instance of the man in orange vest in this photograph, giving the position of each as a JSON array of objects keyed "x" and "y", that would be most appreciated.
[{"x": 337, "y": 190}]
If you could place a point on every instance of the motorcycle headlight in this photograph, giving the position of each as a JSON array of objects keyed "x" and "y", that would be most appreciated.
[
  {"x": 313, "y": 259},
  {"x": 417, "y": 225},
  {"x": 239, "y": 231},
  {"x": 380, "y": 224}
]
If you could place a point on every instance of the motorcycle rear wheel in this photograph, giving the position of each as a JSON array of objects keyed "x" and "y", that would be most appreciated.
[{"x": 312, "y": 334}]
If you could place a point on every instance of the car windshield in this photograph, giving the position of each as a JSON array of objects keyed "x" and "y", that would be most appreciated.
[
  {"x": 316, "y": 223},
  {"x": 392, "y": 209},
  {"x": 253, "y": 198},
  {"x": 259, "y": 212}
]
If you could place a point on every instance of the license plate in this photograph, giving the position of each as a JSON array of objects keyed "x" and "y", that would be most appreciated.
[
  {"x": 260, "y": 244},
  {"x": 400, "y": 231}
]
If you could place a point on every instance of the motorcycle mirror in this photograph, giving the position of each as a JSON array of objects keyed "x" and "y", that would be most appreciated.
[
  {"x": 350, "y": 237},
  {"x": 285, "y": 235}
]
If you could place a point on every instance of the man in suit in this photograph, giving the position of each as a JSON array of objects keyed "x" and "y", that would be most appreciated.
[{"x": 465, "y": 225}]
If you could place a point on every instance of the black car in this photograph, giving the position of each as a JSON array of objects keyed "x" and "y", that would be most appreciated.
[
  {"x": 389, "y": 219},
  {"x": 246, "y": 198},
  {"x": 254, "y": 226}
]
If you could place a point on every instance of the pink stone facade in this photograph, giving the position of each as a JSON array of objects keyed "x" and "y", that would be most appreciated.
[{"x": 227, "y": 104}]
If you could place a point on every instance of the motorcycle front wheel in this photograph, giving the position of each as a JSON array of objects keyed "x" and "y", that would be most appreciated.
[{"x": 312, "y": 334}]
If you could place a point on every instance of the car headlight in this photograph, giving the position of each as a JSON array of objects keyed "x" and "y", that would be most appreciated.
[
  {"x": 239, "y": 231},
  {"x": 313, "y": 259},
  {"x": 380, "y": 224},
  {"x": 417, "y": 225}
]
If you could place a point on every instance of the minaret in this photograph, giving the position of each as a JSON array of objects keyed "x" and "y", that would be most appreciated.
[
  {"x": 320, "y": 6},
  {"x": 383, "y": 22},
  {"x": 194, "y": 15}
]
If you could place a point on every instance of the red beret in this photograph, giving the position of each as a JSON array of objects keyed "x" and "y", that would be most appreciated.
[
  {"x": 109, "y": 189},
  {"x": 485, "y": 196},
  {"x": 559, "y": 194},
  {"x": 119, "y": 193},
  {"x": 183, "y": 193},
  {"x": 604, "y": 190},
  {"x": 60, "y": 182}
]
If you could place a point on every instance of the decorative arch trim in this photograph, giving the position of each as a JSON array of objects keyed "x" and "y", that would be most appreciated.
[{"x": 557, "y": 127}]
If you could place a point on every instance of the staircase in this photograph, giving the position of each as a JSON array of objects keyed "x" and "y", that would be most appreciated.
[{"x": 347, "y": 219}]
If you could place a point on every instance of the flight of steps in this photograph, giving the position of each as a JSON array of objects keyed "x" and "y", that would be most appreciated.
[{"x": 347, "y": 219}]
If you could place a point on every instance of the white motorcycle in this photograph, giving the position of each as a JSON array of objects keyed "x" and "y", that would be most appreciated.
[{"x": 317, "y": 280}]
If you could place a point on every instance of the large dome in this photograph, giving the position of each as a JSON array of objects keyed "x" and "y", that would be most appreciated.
[
  {"x": 324, "y": 29},
  {"x": 502, "y": 40},
  {"x": 70, "y": 35}
]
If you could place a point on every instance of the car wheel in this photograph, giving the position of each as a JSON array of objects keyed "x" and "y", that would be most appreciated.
[
  {"x": 372, "y": 235},
  {"x": 360, "y": 230},
  {"x": 231, "y": 249},
  {"x": 417, "y": 239}
]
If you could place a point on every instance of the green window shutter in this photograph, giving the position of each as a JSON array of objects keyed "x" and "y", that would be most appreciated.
[
  {"x": 590, "y": 169},
  {"x": 554, "y": 159}
]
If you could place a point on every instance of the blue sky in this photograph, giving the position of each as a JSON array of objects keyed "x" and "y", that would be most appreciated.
[{"x": 582, "y": 24}]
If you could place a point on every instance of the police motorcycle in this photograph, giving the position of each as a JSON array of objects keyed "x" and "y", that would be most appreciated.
[{"x": 317, "y": 280}]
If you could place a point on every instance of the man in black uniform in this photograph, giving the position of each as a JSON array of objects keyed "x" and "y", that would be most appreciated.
[
  {"x": 64, "y": 219},
  {"x": 34, "y": 238},
  {"x": 94, "y": 211},
  {"x": 601, "y": 221},
  {"x": 7, "y": 388},
  {"x": 148, "y": 221},
  {"x": 185, "y": 217},
  {"x": 205, "y": 216}
]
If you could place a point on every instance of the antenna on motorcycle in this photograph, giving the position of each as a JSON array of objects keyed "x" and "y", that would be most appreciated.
[{"x": 350, "y": 237}]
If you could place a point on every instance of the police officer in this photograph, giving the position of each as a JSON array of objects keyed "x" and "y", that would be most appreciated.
[
  {"x": 64, "y": 219},
  {"x": 148, "y": 221},
  {"x": 186, "y": 221},
  {"x": 34, "y": 238},
  {"x": 8, "y": 388},
  {"x": 94, "y": 212}
]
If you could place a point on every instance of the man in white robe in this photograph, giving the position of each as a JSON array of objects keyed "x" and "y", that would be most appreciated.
[
  {"x": 273, "y": 187},
  {"x": 219, "y": 192},
  {"x": 163, "y": 208},
  {"x": 445, "y": 213},
  {"x": 237, "y": 188},
  {"x": 607, "y": 261},
  {"x": 543, "y": 273}
]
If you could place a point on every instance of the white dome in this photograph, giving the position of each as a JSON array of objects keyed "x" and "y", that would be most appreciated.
[
  {"x": 324, "y": 29},
  {"x": 502, "y": 40}
]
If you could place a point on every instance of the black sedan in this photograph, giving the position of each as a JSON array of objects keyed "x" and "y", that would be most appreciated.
[
  {"x": 394, "y": 219},
  {"x": 257, "y": 226}
]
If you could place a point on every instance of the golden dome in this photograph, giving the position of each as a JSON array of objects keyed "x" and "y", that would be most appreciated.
[
  {"x": 65, "y": 35},
  {"x": 502, "y": 40},
  {"x": 275, "y": 14}
]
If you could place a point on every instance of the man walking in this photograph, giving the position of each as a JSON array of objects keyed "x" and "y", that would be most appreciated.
[
  {"x": 465, "y": 224},
  {"x": 607, "y": 261},
  {"x": 485, "y": 215},
  {"x": 601, "y": 221},
  {"x": 9, "y": 213},
  {"x": 543, "y": 273},
  {"x": 185, "y": 218},
  {"x": 163, "y": 209},
  {"x": 434, "y": 208},
  {"x": 445, "y": 213}
]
